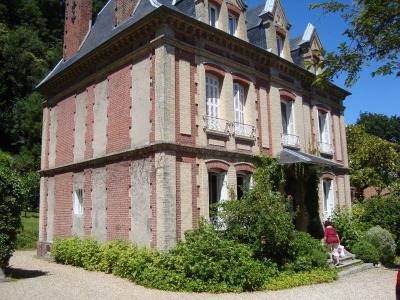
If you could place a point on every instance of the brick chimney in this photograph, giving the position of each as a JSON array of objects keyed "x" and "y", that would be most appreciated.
[
  {"x": 78, "y": 18},
  {"x": 122, "y": 10}
]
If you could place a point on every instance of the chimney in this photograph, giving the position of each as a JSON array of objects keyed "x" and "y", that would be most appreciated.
[
  {"x": 78, "y": 19},
  {"x": 122, "y": 9}
]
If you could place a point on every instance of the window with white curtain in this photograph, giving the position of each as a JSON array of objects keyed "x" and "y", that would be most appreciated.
[
  {"x": 238, "y": 97},
  {"x": 78, "y": 202},
  {"x": 279, "y": 45},
  {"x": 323, "y": 126},
  {"x": 328, "y": 197},
  {"x": 217, "y": 192},
  {"x": 212, "y": 95},
  {"x": 287, "y": 117}
]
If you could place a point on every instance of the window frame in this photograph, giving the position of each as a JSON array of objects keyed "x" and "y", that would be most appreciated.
[
  {"x": 239, "y": 101},
  {"x": 324, "y": 134},
  {"x": 280, "y": 43},
  {"x": 290, "y": 120},
  {"x": 328, "y": 200}
]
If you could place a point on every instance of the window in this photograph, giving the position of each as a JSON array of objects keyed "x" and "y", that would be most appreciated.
[
  {"x": 287, "y": 117},
  {"x": 238, "y": 97},
  {"x": 78, "y": 202},
  {"x": 325, "y": 145},
  {"x": 212, "y": 95},
  {"x": 232, "y": 24},
  {"x": 217, "y": 191},
  {"x": 328, "y": 198},
  {"x": 212, "y": 15},
  {"x": 279, "y": 45},
  {"x": 243, "y": 182}
]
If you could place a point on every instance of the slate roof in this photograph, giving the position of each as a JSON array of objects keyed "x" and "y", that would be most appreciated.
[
  {"x": 252, "y": 16},
  {"x": 103, "y": 30}
]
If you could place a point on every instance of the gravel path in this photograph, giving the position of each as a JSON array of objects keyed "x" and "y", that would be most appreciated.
[{"x": 39, "y": 279}]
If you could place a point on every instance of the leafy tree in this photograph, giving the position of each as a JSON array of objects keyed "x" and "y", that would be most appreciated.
[
  {"x": 11, "y": 190},
  {"x": 373, "y": 161},
  {"x": 387, "y": 128},
  {"x": 373, "y": 35}
]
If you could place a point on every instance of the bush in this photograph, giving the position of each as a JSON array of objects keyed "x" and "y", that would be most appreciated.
[
  {"x": 67, "y": 251},
  {"x": 383, "y": 212},
  {"x": 308, "y": 253},
  {"x": 110, "y": 252},
  {"x": 348, "y": 228},
  {"x": 11, "y": 190},
  {"x": 366, "y": 251},
  {"x": 383, "y": 242},
  {"x": 288, "y": 280}
]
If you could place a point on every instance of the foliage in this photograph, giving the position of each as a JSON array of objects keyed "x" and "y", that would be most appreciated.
[
  {"x": 373, "y": 35},
  {"x": 387, "y": 128},
  {"x": 349, "y": 228},
  {"x": 366, "y": 251},
  {"x": 11, "y": 190},
  {"x": 383, "y": 211},
  {"x": 204, "y": 262},
  {"x": 383, "y": 242},
  {"x": 311, "y": 200},
  {"x": 29, "y": 233},
  {"x": 373, "y": 161},
  {"x": 261, "y": 218},
  {"x": 288, "y": 280},
  {"x": 308, "y": 253}
]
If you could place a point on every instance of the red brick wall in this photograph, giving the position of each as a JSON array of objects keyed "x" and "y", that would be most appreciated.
[
  {"x": 183, "y": 138},
  {"x": 89, "y": 122},
  {"x": 122, "y": 10},
  {"x": 118, "y": 204},
  {"x": 65, "y": 131},
  {"x": 87, "y": 202},
  {"x": 119, "y": 110},
  {"x": 153, "y": 205},
  {"x": 45, "y": 208},
  {"x": 63, "y": 204},
  {"x": 78, "y": 13}
]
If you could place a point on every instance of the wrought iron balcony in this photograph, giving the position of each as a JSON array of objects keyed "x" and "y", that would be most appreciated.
[
  {"x": 216, "y": 125},
  {"x": 326, "y": 148},
  {"x": 290, "y": 140},
  {"x": 245, "y": 131}
]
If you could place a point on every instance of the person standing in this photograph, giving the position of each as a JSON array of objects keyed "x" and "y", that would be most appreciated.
[{"x": 332, "y": 240}]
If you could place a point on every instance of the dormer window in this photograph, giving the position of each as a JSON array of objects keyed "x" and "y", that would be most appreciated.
[
  {"x": 212, "y": 15},
  {"x": 279, "y": 45},
  {"x": 232, "y": 24}
]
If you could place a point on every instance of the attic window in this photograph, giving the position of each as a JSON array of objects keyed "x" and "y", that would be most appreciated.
[
  {"x": 279, "y": 45},
  {"x": 212, "y": 15},
  {"x": 232, "y": 24}
]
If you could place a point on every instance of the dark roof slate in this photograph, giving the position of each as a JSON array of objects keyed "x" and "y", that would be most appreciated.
[{"x": 252, "y": 16}]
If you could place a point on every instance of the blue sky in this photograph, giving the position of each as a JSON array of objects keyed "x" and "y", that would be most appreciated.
[{"x": 377, "y": 95}]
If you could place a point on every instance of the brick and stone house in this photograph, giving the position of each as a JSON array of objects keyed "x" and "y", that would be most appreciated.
[{"x": 157, "y": 107}]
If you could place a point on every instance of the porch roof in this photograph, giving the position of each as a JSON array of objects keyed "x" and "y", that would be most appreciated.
[{"x": 289, "y": 156}]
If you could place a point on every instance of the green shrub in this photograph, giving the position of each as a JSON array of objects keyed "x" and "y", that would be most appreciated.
[
  {"x": 383, "y": 242},
  {"x": 366, "y": 251},
  {"x": 67, "y": 251},
  {"x": 384, "y": 212},
  {"x": 110, "y": 252},
  {"x": 348, "y": 228},
  {"x": 286, "y": 280},
  {"x": 308, "y": 253},
  {"x": 90, "y": 254},
  {"x": 11, "y": 190}
]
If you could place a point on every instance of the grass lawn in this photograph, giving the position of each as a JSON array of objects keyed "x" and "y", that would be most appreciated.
[{"x": 28, "y": 236}]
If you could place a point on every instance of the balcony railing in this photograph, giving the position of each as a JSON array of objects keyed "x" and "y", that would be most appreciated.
[
  {"x": 325, "y": 148},
  {"x": 290, "y": 140},
  {"x": 244, "y": 131},
  {"x": 216, "y": 125}
]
